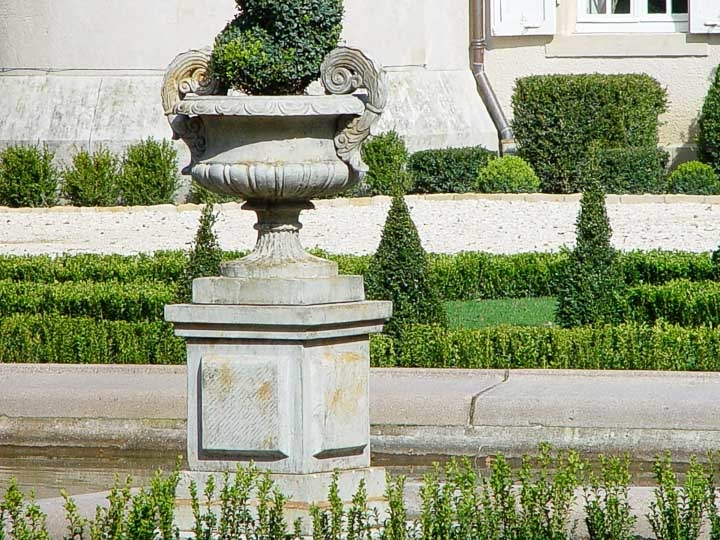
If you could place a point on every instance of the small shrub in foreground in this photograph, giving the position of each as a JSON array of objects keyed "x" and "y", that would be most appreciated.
[
  {"x": 677, "y": 513},
  {"x": 608, "y": 515},
  {"x": 508, "y": 174},
  {"x": 399, "y": 272},
  {"x": 92, "y": 179},
  {"x": 27, "y": 177},
  {"x": 149, "y": 173},
  {"x": 694, "y": 178}
]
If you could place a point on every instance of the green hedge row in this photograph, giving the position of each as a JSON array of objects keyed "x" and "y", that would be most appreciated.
[
  {"x": 683, "y": 302},
  {"x": 463, "y": 276},
  {"x": 57, "y": 339},
  {"x": 558, "y": 117},
  {"x": 109, "y": 300},
  {"x": 625, "y": 346}
]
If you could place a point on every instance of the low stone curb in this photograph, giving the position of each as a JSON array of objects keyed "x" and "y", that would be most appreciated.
[{"x": 413, "y": 412}]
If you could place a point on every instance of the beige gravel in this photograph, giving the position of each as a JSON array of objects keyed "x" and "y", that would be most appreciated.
[{"x": 446, "y": 224}]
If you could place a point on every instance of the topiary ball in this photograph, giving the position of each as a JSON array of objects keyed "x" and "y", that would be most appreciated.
[
  {"x": 276, "y": 47},
  {"x": 508, "y": 174},
  {"x": 694, "y": 178}
]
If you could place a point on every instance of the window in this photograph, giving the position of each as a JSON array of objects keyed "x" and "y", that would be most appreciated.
[{"x": 632, "y": 16}]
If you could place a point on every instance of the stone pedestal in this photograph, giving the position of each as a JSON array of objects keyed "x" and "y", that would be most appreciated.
[{"x": 278, "y": 373}]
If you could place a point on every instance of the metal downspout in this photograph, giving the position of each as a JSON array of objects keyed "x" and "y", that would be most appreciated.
[{"x": 477, "y": 60}]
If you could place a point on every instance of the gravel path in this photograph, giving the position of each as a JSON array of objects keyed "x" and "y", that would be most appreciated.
[{"x": 499, "y": 224}]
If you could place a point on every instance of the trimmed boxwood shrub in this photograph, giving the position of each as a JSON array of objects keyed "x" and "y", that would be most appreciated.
[
  {"x": 386, "y": 157},
  {"x": 451, "y": 170},
  {"x": 509, "y": 174},
  {"x": 623, "y": 346},
  {"x": 204, "y": 257},
  {"x": 631, "y": 169},
  {"x": 557, "y": 117},
  {"x": 591, "y": 289},
  {"x": 709, "y": 126},
  {"x": 694, "y": 178},
  {"x": 399, "y": 272},
  {"x": 92, "y": 179},
  {"x": 688, "y": 303},
  {"x": 140, "y": 301},
  {"x": 275, "y": 47},
  {"x": 149, "y": 173},
  {"x": 77, "y": 340},
  {"x": 28, "y": 177}
]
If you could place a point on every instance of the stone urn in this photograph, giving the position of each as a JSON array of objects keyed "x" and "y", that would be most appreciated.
[
  {"x": 276, "y": 152},
  {"x": 278, "y": 346}
]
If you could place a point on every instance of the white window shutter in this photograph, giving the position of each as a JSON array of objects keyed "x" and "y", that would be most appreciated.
[
  {"x": 523, "y": 17},
  {"x": 704, "y": 16}
]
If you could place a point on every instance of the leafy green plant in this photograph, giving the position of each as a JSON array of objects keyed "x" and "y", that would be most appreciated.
[
  {"x": 608, "y": 514},
  {"x": 276, "y": 47},
  {"x": 683, "y": 302},
  {"x": 695, "y": 178},
  {"x": 508, "y": 174},
  {"x": 677, "y": 513},
  {"x": 21, "y": 519},
  {"x": 557, "y": 117},
  {"x": 204, "y": 257},
  {"x": 93, "y": 178},
  {"x": 149, "y": 173},
  {"x": 630, "y": 169},
  {"x": 449, "y": 170},
  {"x": 399, "y": 272},
  {"x": 78, "y": 340},
  {"x": 386, "y": 156},
  {"x": 709, "y": 126},
  {"x": 28, "y": 177},
  {"x": 591, "y": 290},
  {"x": 624, "y": 346}
]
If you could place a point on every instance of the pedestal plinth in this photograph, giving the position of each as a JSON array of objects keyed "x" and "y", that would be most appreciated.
[{"x": 278, "y": 372}]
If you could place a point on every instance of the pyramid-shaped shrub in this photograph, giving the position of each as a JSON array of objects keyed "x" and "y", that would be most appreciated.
[{"x": 399, "y": 272}]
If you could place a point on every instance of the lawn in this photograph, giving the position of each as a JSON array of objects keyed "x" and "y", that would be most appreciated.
[{"x": 535, "y": 311}]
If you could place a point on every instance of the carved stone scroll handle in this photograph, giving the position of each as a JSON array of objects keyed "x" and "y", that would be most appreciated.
[
  {"x": 188, "y": 73},
  {"x": 344, "y": 71}
]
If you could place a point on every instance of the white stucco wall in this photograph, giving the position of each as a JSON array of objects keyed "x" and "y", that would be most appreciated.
[{"x": 69, "y": 69}]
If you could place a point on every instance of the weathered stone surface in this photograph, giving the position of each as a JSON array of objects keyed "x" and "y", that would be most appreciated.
[{"x": 298, "y": 292}]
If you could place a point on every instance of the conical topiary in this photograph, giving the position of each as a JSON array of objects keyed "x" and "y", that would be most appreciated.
[
  {"x": 399, "y": 272},
  {"x": 204, "y": 257},
  {"x": 591, "y": 289},
  {"x": 709, "y": 126}
]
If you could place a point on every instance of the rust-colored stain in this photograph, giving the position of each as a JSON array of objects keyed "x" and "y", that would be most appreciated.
[
  {"x": 225, "y": 379},
  {"x": 345, "y": 401},
  {"x": 350, "y": 357},
  {"x": 264, "y": 393}
]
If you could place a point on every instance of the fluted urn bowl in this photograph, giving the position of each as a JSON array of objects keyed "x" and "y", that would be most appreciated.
[
  {"x": 272, "y": 148},
  {"x": 277, "y": 152}
]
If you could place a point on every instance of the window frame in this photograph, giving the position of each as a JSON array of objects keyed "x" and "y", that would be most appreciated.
[{"x": 638, "y": 20}]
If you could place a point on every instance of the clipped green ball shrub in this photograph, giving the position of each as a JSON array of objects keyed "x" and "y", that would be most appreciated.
[
  {"x": 558, "y": 117},
  {"x": 275, "y": 47},
  {"x": 509, "y": 174},
  {"x": 93, "y": 179},
  {"x": 399, "y": 272},
  {"x": 694, "y": 178},
  {"x": 386, "y": 157},
  {"x": 448, "y": 170},
  {"x": 709, "y": 126},
  {"x": 149, "y": 173},
  {"x": 631, "y": 169},
  {"x": 28, "y": 177}
]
